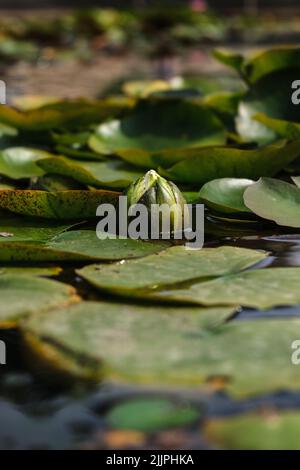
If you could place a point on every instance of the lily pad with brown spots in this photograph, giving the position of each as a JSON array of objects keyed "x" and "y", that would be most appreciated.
[{"x": 71, "y": 204}]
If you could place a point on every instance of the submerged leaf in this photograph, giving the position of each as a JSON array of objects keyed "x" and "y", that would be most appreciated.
[
  {"x": 170, "y": 267},
  {"x": 151, "y": 414},
  {"x": 275, "y": 200}
]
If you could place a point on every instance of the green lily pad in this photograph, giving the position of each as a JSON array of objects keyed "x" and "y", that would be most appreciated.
[
  {"x": 157, "y": 125},
  {"x": 102, "y": 340},
  {"x": 225, "y": 105},
  {"x": 111, "y": 174},
  {"x": 258, "y": 288},
  {"x": 229, "y": 58},
  {"x": 225, "y": 194},
  {"x": 152, "y": 160},
  {"x": 40, "y": 271},
  {"x": 70, "y": 204},
  {"x": 22, "y": 296},
  {"x": 151, "y": 415},
  {"x": 63, "y": 114},
  {"x": 270, "y": 96},
  {"x": 7, "y": 186},
  {"x": 151, "y": 345},
  {"x": 266, "y": 431},
  {"x": 76, "y": 245},
  {"x": 286, "y": 129},
  {"x": 84, "y": 244},
  {"x": 191, "y": 197},
  {"x": 21, "y": 162},
  {"x": 173, "y": 266},
  {"x": 199, "y": 166},
  {"x": 52, "y": 182},
  {"x": 78, "y": 154},
  {"x": 262, "y": 63},
  {"x": 275, "y": 200},
  {"x": 74, "y": 145},
  {"x": 22, "y": 229}
]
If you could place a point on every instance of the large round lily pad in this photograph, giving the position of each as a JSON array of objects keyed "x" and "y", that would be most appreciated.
[
  {"x": 160, "y": 124},
  {"x": 103, "y": 340},
  {"x": 165, "y": 346},
  {"x": 169, "y": 268}
]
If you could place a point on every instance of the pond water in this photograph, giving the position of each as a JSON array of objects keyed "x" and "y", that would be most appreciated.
[{"x": 35, "y": 415}]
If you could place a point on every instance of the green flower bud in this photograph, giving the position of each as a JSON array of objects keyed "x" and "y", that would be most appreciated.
[{"x": 153, "y": 189}]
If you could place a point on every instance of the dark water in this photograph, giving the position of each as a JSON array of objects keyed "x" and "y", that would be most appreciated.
[{"x": 35, "y": 416}]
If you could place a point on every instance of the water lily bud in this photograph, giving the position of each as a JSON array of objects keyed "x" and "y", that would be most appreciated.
[{"x": 153, "y": 189}]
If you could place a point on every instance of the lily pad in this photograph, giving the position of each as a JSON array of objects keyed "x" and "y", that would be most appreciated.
[
  {"x": 110, "y": 174},
  {"x": 265, "y": 431},
  {"x": 85, "y": 244},
  {"x": 271, "y": 96},
  {"x": 160, "y": 124},
  {"x": 275, "y": 200},
  {"x": 151, "y": 414},
  {"x": 40, "y": 271},
  {"x": 257, "y": 288},
  {"x": 151, "y": 345},
  {"x": 63, "y": 114},
  {"x": 52, "y": 182},
  {"x": 262, "y": 63},
  {"x": 170, "y": 267},
  {"x": 199, "y": 166},
  {"x": 21, "y": 162},
  {"x": 76, "y": 245},
  {"x": 70, "y": 204},
  {"x": 22, "y": 229},
  {"x": 22, "y": 296},
  {"x": 102, "y": 340},
  {"x": 286, "y": 129},
  {"x": 225, "y": 194}
]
